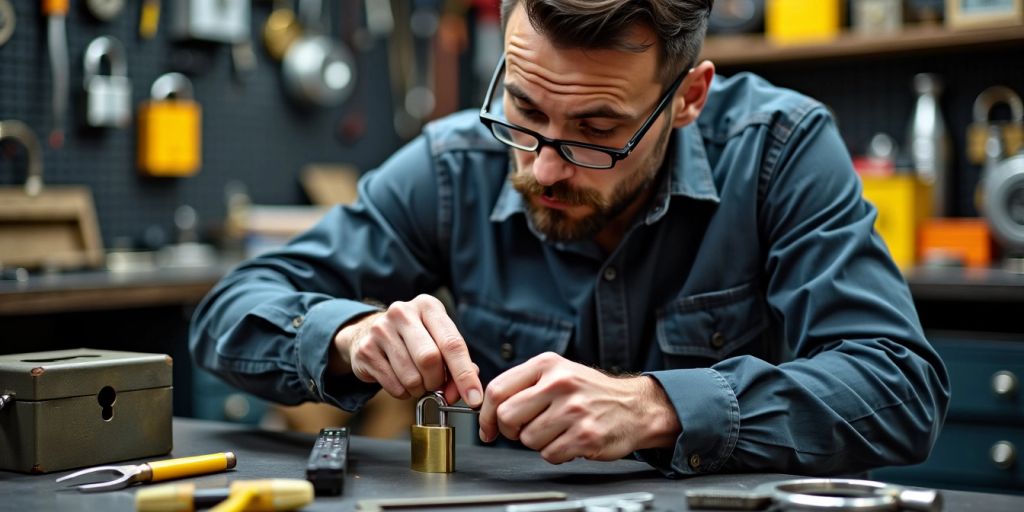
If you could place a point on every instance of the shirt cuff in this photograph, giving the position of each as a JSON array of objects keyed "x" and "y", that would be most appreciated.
[
  {"x": 314, "y": 338},
  {"x": 710, "y": 416}
]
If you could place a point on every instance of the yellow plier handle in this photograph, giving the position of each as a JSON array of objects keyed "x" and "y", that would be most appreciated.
[{"x": 190, "y": 466}]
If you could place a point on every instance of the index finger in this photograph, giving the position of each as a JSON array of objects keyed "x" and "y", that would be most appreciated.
[
  {"x": 456, "y": 356},
  {"x": 502, "y": 388}
]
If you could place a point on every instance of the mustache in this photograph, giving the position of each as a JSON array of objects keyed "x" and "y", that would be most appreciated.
[{"x": 527, "y": 184}]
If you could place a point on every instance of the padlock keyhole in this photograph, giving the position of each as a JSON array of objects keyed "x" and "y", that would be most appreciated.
[{"x": 106, "y": 398}]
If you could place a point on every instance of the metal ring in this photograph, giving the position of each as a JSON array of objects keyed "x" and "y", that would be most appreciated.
[
  {"x": 835, "y": 494},
  {"x": 112, "y": 49},
  {"x": 19, "y": 131},
  {"x": 171, "y": 83},
  {"x": 438, "y": 398},
  {"x": 995, "y": 95}
]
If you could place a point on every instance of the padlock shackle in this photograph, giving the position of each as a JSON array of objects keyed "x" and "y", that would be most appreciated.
[
  {"x": 438, "y": 398},
  {"x": 19, "y": 131},
  {"x": 113, "y": 50},
  {"x": 171, "y": 83},
  {"x": 994, "y": 96}
]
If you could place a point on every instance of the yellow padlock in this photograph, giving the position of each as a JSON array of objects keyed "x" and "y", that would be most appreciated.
[
  {"x": 433, "y": 446},
  {"x": 170, "y": 129},
  {"x": 1011, "y": 132}
]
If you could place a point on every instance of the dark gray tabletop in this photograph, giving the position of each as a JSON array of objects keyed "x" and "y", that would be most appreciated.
[{"x": 380, "y": 469}]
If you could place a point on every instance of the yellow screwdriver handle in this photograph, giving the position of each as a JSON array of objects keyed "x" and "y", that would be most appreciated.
[{"x": 191, "y": 466}]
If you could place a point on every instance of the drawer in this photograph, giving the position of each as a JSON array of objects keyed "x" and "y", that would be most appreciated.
[
  {"x": 968, "y": 456},
  {"x": 985, "y": 372}
]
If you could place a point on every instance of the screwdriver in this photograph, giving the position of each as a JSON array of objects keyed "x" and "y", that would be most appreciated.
[
  {"x": 250, "y": 495},
  {"x": 56, "y": 11}
]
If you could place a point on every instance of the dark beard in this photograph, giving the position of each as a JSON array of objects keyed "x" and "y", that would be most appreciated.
[{"x": 558, "y": 225}]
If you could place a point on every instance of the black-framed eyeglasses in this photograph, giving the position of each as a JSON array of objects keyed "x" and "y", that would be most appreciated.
[{"x": 591, "y": 156}]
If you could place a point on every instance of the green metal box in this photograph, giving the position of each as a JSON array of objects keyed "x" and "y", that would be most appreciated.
[{"x": 83, "y": 407}]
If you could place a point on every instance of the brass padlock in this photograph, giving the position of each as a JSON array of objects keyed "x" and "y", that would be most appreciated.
[
  {"x": 979, "y": 131},
  {"x": 433, "y": 446},
  {"x": 170, "y": 129}
]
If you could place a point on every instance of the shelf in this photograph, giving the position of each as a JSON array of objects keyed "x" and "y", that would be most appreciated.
[
  {"x": 101, "y": 290},
  {"x": 755, "y": 49},
  {"x": 971, "y": 285}
]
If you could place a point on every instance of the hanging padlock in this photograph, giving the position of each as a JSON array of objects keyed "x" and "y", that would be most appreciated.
[
  {"x": 108, "y": 97},
  {"x": 433, "y": 446},
  {"x": 170, "y": 129},
  {"x": 1012, "y": 131}
]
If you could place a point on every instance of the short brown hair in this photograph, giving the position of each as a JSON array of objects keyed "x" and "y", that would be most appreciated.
[{"x": 604, "y": 24}]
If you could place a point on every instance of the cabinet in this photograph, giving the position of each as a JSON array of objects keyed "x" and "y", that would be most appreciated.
[{"x": 979, "y": 447}]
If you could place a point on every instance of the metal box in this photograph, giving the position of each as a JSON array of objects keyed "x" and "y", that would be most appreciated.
[{"x": 83, "y": 407}]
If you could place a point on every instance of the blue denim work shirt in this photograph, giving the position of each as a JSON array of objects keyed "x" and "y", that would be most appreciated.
[{"x": 753, "y": 288}]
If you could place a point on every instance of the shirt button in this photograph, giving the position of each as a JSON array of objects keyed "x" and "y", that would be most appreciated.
[
  {"x": 507, "y": 351},
  {"x": 610, "y": 274},
  {"x": 312, "y": 386},
  {"x": 717, "y": 340},
  {"x": 695, "y": 461},
  {"x": 297, "y": 322}
]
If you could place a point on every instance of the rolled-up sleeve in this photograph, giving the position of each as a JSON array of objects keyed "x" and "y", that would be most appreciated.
[
  {"x": 861, "y": 386},
  {"x": 268, "y": 325}
]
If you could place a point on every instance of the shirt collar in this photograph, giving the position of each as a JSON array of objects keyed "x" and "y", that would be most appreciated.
[{"x": 689, "y": 176}]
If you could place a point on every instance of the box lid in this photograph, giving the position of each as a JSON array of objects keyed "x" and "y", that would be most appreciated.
[{"x": 81, "y": 372}]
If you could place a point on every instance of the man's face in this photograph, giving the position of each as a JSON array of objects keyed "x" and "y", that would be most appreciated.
[{"x": 594, "y": 96}]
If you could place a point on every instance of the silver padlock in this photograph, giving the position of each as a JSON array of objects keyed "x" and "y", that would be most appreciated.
[{"x": 108, "y": 97}]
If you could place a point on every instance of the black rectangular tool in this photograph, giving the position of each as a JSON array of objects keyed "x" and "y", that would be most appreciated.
[{"x": 327, "y": 462}]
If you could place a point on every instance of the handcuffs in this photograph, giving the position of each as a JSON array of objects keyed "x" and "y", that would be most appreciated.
[{"x": 817, "y": 494}]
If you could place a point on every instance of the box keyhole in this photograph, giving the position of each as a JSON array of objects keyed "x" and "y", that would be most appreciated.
[{"x": 106, "y": 398}]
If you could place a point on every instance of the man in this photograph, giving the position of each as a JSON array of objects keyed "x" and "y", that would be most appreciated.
[{"x": 704, "y": 245}]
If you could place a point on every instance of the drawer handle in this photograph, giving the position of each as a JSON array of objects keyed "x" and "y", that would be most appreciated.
[
  {"x": 1004, "y": 384},
  {"x": 1004, "y": 454}
]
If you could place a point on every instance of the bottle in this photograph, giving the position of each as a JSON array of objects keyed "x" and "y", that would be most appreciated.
[{"x": 928, "y": 141}]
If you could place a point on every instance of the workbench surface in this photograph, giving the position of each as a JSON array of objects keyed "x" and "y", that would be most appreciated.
[{"x": 380, "y": 469}]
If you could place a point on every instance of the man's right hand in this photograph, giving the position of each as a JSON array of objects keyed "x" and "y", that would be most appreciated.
[{"x": 408, "y": 349}]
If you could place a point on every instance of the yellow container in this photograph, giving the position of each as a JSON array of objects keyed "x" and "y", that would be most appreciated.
[
  {"x": 170, "y": 135},
  {"x": 803, "y": 21},
  {"x": 903, "y": 203}
]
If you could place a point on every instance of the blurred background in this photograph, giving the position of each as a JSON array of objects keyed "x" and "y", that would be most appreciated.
[{"x": 147, "y": 146}]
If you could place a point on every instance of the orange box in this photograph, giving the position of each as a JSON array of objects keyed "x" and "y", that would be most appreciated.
[{"x": 967, "y": 240}]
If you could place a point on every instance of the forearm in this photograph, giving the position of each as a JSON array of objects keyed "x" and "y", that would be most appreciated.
[
  {"x": 259, "y": 333},
  {"x": 862, "y": 405}
]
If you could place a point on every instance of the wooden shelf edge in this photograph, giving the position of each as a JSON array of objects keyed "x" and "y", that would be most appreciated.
[{"x": 755, "y": 49}]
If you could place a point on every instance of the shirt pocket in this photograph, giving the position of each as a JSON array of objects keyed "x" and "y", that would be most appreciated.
[
  {"x": 711, "y": 325},
  {"x": 499, "y": 340}
]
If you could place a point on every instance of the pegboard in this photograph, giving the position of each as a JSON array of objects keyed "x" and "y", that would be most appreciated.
[
  {"x": 874, "y": 94},
  {"x": 252, "y": 132}
]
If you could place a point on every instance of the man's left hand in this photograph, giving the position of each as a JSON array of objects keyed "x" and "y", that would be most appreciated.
[{"x": 566, "y": 410}]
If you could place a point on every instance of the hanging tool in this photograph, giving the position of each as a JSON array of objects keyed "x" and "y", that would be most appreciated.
[
  {"x": 269, "y": 494},
  {"x": 155, "y": 471},
  {"x": 280, "y": 31},
  {"x": 836, "y": 494},
  {"x": 149, "y": 18},
  {"x": 7, "y": 21},
  {"x": 318, "y": 70},
  {"x": 105, "y": 10},
  {"x": 56, "y": 11}
]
